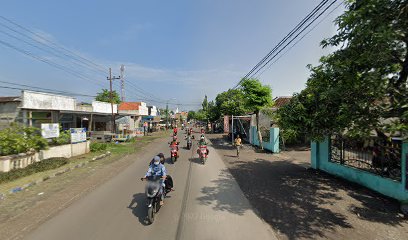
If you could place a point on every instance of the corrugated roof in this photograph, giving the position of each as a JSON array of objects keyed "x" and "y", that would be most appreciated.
[
  {"x": 129, "y": 106},
  {"x": 281, "y": 101},
  {"x": 10, "y": 99}
]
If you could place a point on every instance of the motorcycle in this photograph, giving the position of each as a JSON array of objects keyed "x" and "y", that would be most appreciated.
[
  {"x": 173, "y": 153},
  {"x": 203, "y": 154},
  {"x": 189, "y": 143},
  {"x": 153, "y": 196}
]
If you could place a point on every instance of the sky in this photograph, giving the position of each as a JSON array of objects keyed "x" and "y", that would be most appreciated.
[{"x": 176, "y": 51}]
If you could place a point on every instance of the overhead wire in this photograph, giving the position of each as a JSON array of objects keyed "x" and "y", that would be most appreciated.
[
  {"x": 46, "y": 89},
  {"x": 61, "y": 52},
  {"x": 57, "y": 47},
  {"x": 56, "y": 65},
  {"x": 308, "y": 20},
  {"x": 307, "y": 33},
  {"x": 290, "y": 34},
  {"x": 270, "y": 59}
]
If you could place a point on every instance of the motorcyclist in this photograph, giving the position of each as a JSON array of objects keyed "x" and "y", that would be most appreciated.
[
  {"x": 162, "y": 159},
  {"x": 157, "y": 169},
  {"x": 175, "y": 131},
  {"x": 201, "y": 143},
  {"x": 174, "y": 143}
]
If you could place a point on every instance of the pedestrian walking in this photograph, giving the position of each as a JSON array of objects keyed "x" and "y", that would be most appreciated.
[{"x": 238, "y": 143}]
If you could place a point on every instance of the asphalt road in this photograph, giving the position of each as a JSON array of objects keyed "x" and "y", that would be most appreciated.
[{"x": 207, "y": 204}]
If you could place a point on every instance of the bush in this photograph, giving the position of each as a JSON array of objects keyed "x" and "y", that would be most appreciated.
[
  {"x": 42, "y": 166},
  {"x": 64, "y": 138},
  {"x": 131, "y": 140},
  {"x": 97, "y": 147},
  {"x": 17, "y": 139}
]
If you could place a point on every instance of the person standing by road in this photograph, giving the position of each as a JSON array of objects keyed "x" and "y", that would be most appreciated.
[{"x": 238, "y": 143}]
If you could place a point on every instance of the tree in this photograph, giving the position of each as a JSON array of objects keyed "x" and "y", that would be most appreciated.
[
  {"x": 104, "y": 96},
  {"x": 361, "y": 87},
  {"x": 231, "y": 102},
  {"x": 191, "y": 115},
  {"x": 257, "y": 97},
  {"x": 201, "y": 115}
]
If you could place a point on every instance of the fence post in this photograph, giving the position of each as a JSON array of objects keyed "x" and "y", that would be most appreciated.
[{"x": 404, "y": 165}]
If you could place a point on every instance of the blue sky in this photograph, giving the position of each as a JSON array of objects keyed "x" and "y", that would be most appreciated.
[{"x": 170, "y": 49}]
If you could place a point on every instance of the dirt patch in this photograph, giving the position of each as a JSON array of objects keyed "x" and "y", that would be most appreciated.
[{"x": 300, "y": 203}]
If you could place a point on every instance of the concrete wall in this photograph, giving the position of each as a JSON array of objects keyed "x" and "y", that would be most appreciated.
[
  {"x": 320, "y": 159},
  {"x": 8, "y": 163},
  {"x": 8, "y": 113},
  {"x": 153, "y": 111},
  {"x": 143, "y": 109},
  {"x": 37, "y": 100},
  {"x": 84, "y": 108},
  {"x": 272, "y": 145},
  {"x": 103, "y": 107}
]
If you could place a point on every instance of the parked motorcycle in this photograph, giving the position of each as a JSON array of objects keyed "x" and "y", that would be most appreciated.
[
  {"x": 203, "y": 154},
  {"x": 153, "y": 196}
]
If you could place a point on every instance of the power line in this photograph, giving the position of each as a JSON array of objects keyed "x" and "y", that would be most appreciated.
[
  {"x": 290, "y": 34},
  {"x": 56, "y": 65},
  {"x": 270, "y": 59},
  {"x": 47, "y": 89},
  {"x": 53, "y": 92},
  {"x": 325, "y": 17},
  {"x": 60, "y": 52},
  {"x": 55, "y": 46}
]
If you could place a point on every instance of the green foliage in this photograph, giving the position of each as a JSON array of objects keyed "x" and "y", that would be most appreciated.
[
  {"x": 256, "y": 95},
  {"x": 17, "y": 139},
  {"x": 131, "y": 140},
  {"x": 201, "y": 115},
  {"x": 64, "y": 138},
  {"x": 97, "y": 147},
  {"x": 41, "y": 166},
  {"x": 362, "y": 87},
  {"x": 104, "y": 96},
  {"x": 231, "y": 102},
  {"x": 191, "y": 115}
]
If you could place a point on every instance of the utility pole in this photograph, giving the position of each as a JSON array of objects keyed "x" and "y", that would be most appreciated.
[
  {"x": 110, "y": 78},
  {"x": 167, "y": 114},
  {"x": 122, "y": 81}
]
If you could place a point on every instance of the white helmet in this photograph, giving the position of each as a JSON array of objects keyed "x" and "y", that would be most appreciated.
[{"x": 156, "y": 160}]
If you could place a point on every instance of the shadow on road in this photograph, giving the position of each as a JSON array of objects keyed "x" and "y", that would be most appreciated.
[
  {"x": 195, "y": 160},
  {"x": 138, "y": 206},
  {"x": 298, "y": 202}
]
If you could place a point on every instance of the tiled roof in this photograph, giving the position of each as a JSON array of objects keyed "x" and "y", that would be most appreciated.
[
  {"x": 10, "y": 99},
  {"x": 129, "y": 106},
  {"x": 281, "y": 101}
]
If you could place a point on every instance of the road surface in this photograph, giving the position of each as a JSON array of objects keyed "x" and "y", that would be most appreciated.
[{"x": 207, "y": 204}]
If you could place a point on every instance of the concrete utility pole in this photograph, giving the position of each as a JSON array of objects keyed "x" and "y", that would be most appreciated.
[
  {"x": 110, "y": 78},
  {"x": 167, "y": 114},
  {"x": 122, "y": 81}
]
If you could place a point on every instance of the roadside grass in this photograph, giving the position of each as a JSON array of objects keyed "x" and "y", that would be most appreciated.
[{"x": 117, "y": 151}]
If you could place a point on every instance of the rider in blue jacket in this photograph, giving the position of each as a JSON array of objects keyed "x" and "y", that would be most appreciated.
[{"x": 157, "y": 169}]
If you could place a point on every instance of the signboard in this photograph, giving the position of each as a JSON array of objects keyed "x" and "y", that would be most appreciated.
[
  {"x": 226, "y": 124},
  {"x": 50, "y": 130},
  {"x": 78, "y": 135}
]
